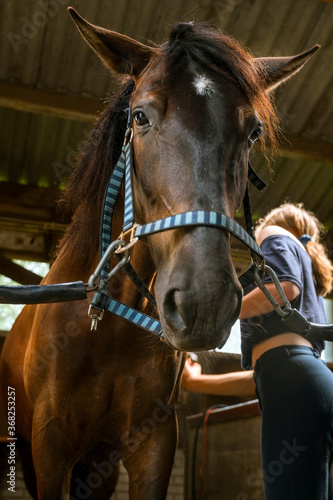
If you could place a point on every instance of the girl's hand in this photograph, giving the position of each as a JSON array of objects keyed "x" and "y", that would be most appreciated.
[{"x": 192, "y": 370}]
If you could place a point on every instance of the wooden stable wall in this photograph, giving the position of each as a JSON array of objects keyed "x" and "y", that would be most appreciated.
[{"x": 223, "y": 457}]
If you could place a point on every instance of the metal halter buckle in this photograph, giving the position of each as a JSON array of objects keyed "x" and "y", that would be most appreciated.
[{"x": 132, "y": 239}]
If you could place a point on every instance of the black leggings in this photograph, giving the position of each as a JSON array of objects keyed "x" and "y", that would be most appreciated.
[{"x": 295, "y": 391}]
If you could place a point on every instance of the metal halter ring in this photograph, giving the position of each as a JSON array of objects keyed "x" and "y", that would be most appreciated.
[{"x": 128, "y": 136}]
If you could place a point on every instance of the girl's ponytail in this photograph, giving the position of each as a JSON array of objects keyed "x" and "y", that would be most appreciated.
[
  {"x": 307, "y": 228},
  {"x": 321, "y": 266}
]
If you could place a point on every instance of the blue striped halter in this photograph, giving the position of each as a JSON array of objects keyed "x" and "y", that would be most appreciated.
[{"x": 123, "y": 171}]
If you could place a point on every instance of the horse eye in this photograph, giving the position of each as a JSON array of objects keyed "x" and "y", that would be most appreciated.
[
  {"x": 141, "y": 119},
  {"x": 255, "y": 134}
]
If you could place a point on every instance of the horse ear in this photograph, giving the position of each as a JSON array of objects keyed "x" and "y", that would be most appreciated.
[
  {"x": 276, "y": 70},
  {"x": 118, "y": 52}
]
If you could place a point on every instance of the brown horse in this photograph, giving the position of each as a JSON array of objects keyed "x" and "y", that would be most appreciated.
[{"x": 85, "y": 400}]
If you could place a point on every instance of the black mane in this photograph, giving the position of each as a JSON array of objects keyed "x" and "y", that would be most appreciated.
[
  {"x": 84, "y": 195},
  {"x": 100, "y": 154}
]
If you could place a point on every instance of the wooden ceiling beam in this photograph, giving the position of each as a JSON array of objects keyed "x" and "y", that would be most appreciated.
[
  {"x": 30, "y": 203},
  {"x": 18, "y": 273},
  {"x": 12, "y": 192},
  {"x": 26, "y": 255},
  {"x": 30, "y": 100},
  {"x": 302, "y": 148},
  {"x": 30, "y": 224}
]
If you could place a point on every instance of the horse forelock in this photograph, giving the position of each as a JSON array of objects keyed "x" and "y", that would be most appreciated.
[{"x": 213, "y": 51}]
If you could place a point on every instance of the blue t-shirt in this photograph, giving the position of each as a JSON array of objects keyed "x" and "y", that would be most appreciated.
[{"x": 291, "y": 263}]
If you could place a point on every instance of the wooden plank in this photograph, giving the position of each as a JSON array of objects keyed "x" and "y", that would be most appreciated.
[
  {"x": 30, "y": 203},
  {"x": 234, "y": 412},
  {"x": 31, "y": 255},
  {"x": 18, "y": 273},
  {"x": 11, "y": 211},
  {"x": 12, "y": 192},
  {"x": 22, "y": 242},
  {"x": 29, "y": 240},
  {"x": 224, "y": 458},
  {"x": 302, "y": 148},
  {"x": 31, "y": 100},
  {"x": 31, "y": 226}
]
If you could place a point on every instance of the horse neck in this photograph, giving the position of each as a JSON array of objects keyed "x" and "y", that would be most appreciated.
[{"x": 78, "y": 249}]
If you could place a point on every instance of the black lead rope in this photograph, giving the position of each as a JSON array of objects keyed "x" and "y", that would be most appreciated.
[{"x": 43, "y": 294}]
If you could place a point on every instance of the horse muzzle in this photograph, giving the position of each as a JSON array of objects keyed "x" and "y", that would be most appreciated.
[{"x": 198, "y": 310}]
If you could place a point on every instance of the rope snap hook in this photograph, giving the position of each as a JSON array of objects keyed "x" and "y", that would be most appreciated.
[{"x": 104, "y": 260}]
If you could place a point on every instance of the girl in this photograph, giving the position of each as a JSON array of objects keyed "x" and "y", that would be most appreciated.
[{"x": 293, "y": 384}]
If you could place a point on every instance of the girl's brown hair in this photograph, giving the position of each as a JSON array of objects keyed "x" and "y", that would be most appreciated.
[{"x": 297, "y": 220}]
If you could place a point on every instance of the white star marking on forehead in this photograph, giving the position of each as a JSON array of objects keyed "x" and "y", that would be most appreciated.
[{"x": 203, "y": 85}]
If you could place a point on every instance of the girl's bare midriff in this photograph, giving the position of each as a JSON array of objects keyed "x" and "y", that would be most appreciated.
[{"x": 288, "y": 338}]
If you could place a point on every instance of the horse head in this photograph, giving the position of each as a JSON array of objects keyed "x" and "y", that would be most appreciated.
[{"x": 200, "y": 102}]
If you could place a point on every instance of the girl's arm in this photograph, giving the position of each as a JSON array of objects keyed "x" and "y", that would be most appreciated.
[
  {"x": 225, "y": 384},
  {"x": 256, "y": 303}
]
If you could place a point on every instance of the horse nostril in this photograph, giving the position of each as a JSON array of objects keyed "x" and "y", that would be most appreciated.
[{"x": 172, "y": 309}]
